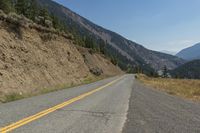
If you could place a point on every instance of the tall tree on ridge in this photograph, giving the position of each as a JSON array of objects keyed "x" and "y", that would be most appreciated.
[{"x": 6, "y": 5}]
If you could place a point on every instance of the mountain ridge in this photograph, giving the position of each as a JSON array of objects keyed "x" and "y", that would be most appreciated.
[
  {"x": 127, "y": 52},
  {"x": 190, "y": 53}
]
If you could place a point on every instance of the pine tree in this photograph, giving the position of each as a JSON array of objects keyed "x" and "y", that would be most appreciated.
[
  {"x": 22, "y": 7},
  {"x": 165, "y": 71},
  {"x": 45, "y": 14},
  {"x": 102, "y": 47},
  {"x": 57, "y": 24},
  {"x": 130, "y": 69},
  {"x": 6, "y": 6},
  {"x": 89, "y": 43},
  {"x": 33, "y": 10},
  {"x": 114, "y": 60}
]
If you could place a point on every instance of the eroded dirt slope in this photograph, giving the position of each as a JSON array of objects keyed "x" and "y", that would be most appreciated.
[
  {"x": 95, "y": 60},
  {"x": 32, "y": 60}
]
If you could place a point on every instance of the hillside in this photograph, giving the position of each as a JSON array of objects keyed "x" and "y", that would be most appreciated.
[
  {"x": 190, "y": 53},
  {"x": 125, "y": 51},
  {"x": 189, "y": 70},
  {"x": 34, "y": 60}
]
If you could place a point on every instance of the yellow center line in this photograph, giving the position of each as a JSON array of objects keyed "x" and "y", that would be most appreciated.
[{"x": 52, "y": 109}]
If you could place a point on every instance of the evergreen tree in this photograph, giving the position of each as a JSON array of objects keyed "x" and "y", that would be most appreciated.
[
  {"x": 102, "y": 47},
  {"x": 130, "y": 69},
  {"x": 165, "y": 72},
  {"x": 45, "y": 14},
  {"x": 6, "y": 6},
  {"x": 138, "y": 69},
  {"x": 114, "y": 60},
  {"x": 59, "y": 25},
  {"x": 21, "y": 7},
  {"x": 33, "y": 10},
  {"x": 56, "y": 22},
  {"x": 89, "y": 43}
]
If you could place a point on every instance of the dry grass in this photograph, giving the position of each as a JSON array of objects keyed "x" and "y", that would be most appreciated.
[
  {"x": 13, "y": 96},
  {"x": 180, "y": 87}
]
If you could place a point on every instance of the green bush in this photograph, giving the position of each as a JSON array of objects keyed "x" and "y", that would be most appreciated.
[{"x": 12, "y": 97}]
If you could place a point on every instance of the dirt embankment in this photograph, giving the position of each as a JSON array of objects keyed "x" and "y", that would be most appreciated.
[
  {"x": 98, "y": 61},
  {"x": 31, "y": 61}
]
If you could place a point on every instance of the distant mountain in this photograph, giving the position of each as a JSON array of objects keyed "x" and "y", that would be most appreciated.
[
  {"x": 168, "y": 52},
  {"x": 190, "y": 53},
  {"x": 189, "y": 70},
  {"x": 125, "y": 51}
]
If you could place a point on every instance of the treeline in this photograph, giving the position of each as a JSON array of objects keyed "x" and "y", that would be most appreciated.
[
  {"x": 41, "y": 15},
  {"x": 190, "y": 70},
  {"x": 31, "y": 10}
]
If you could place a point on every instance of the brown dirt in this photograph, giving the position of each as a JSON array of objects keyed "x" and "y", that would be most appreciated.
[
  {"x": 31, "y": 61},
  {"x": 93, "y": 60}
]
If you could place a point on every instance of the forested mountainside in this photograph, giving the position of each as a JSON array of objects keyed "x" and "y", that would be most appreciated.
[
  {"x": 190, "y": 70},
  {"x": 126, "y": 52},
  {"x": 36, "y": 56}
]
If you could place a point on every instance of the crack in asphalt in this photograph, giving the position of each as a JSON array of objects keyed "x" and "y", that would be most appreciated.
[{"x": 99, "y": 114}]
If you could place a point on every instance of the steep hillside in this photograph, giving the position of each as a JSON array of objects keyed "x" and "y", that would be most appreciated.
[
  {"x": 95, "y": 61},
  {"x": 190, "y": 53},
  {"x": 126, "y": 51},
  {"x": 189, "y": 70},
  {"x": 33, "y": 60}
]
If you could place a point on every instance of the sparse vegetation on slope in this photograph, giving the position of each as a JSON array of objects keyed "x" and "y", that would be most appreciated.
[
  {"x": 36, "y": 60},
  {"x": 124, "y": 53},
  {"x": 38, "y": 57},
  {"x": 190, "y": 70},
  {"x": 13, "y": 96},
  {"x": 180, "y": 87},
  {"x": 128, "y": 55}
]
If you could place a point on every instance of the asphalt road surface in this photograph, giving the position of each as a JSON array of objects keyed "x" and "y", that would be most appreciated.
[
  {"x": 152, "y": 111},
  {"x": 114, "y": 105}
]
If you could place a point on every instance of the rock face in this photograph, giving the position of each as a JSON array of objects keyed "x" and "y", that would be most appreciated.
[
  {"x": 190, "y": 53},
  {"x": 29, "y": 63},
  {"x": 126, "y": 51}
]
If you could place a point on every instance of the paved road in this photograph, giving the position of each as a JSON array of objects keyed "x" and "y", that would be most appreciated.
[
  {"x": 113, "y": 105},
  {"x": 101, "y": 112},
  {"x": 152, "y": 111}
]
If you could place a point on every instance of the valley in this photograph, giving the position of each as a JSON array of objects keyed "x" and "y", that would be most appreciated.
[{"x": 60, "y": 72}]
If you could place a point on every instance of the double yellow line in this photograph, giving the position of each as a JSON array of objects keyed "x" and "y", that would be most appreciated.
[{"x": 52, "y": 109}]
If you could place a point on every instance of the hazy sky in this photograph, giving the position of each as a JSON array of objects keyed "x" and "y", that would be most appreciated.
[{"x": 156, "y": 24}]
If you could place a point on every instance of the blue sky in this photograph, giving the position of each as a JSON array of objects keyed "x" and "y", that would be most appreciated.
[{"x": 156, "y": 24}]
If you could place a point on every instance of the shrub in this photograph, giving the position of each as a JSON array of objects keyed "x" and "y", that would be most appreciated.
[
  {"x": 96, "y": 71},
  {"x": 47, "y": 36},
  {"x": 3, "y": 16},
  {"x": 12, "y": 97}
]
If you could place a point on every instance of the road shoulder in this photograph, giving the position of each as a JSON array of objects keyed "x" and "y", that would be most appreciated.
[{"x": 153, "y": 111}]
